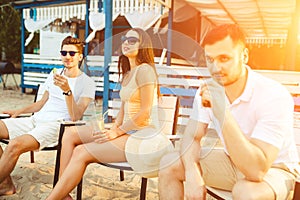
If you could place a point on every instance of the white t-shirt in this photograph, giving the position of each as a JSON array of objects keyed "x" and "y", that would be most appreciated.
[
  {"x": 56, "y": 107},
  {"x": 264, "y": 111}
]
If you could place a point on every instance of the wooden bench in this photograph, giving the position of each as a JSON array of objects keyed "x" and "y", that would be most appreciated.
[
  {"x": 183, "y": 81},
  {"x": 179, "y": 81},
  {"x": 35, "y": 70}
]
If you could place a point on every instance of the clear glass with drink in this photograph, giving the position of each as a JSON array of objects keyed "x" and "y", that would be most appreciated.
[{"x": 97, "y": 124}]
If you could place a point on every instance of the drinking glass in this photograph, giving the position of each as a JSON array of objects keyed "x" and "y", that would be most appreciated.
[{"x": 97, "y": 124}]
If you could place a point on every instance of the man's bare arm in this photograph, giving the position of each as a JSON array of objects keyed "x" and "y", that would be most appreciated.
[
  {"x": 34, "y": 107},
  {"x": 253, "y": 157}
]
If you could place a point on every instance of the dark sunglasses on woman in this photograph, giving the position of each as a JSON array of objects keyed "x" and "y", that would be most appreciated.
[
  {"x": 131, "y": 40},
  {"x": 71, "y": 53}
]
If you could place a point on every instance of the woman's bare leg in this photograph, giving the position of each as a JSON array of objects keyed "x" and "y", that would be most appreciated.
[
  {"x": 72, "y": 137},
  {"x": 83, "y": 155}
]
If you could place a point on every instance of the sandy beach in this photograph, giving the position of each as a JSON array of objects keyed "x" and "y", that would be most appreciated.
[{"x": 33, "y": 181}]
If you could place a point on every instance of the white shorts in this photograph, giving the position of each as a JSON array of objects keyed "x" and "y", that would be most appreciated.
[{"x": 46, "y": 133}]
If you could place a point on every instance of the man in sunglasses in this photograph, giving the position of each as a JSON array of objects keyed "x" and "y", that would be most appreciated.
[{"x": 67, "y": 94}]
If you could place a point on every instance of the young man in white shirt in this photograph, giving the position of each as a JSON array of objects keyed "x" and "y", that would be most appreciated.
[{"x": 68, "y": 92}]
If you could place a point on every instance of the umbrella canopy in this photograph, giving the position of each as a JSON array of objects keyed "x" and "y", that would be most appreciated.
[{"x": 261, "y": 20}]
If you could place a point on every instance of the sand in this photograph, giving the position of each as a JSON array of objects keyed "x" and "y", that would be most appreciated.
[{"x": 34, "y": 181}]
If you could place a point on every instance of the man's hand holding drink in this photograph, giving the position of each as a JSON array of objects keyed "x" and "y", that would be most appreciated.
[{"x": 213, "y": 96}]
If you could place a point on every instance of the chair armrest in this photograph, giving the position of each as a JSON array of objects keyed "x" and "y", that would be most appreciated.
[
  {"x": 72, "y": 123},
  {"x": 25, "y": 115},
  {"x": 174, "y": 137},
  {"x": 218, "y": 193},
  {"x": 3, "y": 116}
]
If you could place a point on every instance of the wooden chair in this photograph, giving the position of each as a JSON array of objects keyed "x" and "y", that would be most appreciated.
[
  {"x": 168, "y": 110},
  {"x": 38, "y": 95},
  {"x": 168, "y": 113}
]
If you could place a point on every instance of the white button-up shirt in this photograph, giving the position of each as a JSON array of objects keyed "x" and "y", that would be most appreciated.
[{"x": 264, "y": 111}]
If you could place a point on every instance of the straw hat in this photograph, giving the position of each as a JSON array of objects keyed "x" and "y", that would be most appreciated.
[{"x": 144, "y": 149}]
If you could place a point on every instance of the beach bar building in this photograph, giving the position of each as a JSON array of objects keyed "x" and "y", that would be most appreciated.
[
  {"x": 54, "y": 20},
  {"x": 272, "y": 28}
]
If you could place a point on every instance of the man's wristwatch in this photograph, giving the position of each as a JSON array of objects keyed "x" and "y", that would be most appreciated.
[{"x": 68, "y": 93}]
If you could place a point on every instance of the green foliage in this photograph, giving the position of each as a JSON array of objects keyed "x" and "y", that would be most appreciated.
[{"x": 10, "y": 32}]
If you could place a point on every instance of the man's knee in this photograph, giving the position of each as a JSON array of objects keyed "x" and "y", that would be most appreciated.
[
  {"x": 14, "y": 148},
  {"x": 242, "y": 192},
  {"x": 22, "y": 144},
  {"x": 3, "y": 131},
  {"x": 170, "y": 164},
  {"x": 247, "y": 190}
]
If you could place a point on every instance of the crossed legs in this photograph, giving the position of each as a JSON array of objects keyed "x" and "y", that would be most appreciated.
[{"x": 78, "y": 151}]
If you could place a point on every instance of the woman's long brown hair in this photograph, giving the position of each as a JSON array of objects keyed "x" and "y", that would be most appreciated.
[{"x": 145, "y": 55}]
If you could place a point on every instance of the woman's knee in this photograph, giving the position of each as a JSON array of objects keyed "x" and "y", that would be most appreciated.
[
  {"x": 70, "y": 136},
  {"x": 80, "y": 154}
]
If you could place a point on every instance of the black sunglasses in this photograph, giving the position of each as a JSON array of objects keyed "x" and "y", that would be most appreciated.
[
  {"x": 71, "y": 53},
  {"x": 130, "y": 40}
]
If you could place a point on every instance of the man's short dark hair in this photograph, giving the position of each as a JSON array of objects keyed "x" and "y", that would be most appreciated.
[
  {"x": 69, "y": 40},
  {"x": 220, "y": 32}
]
